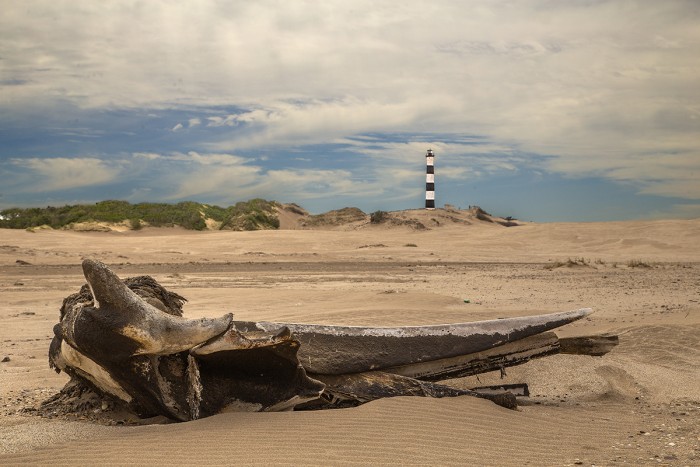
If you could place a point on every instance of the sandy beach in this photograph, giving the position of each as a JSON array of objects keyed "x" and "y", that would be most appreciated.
[{"x": 637, "y": 405}]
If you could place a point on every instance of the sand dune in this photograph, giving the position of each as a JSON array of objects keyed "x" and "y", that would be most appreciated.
[
  {"x": 638, "y": 405},
  {"x": 403, "y": 430}
]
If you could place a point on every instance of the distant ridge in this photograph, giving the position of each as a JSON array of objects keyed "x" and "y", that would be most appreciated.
[{"x": 254, "y": 214}]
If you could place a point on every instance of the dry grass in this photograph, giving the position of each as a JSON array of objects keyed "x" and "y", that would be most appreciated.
[
  {"x": 638, "y": 263},
  {"x": 569, "y": 263}
]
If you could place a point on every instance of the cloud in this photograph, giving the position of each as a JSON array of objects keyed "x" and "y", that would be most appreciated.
[
  {"x": 683, "y": 211},
  {"x": 257, "y": 116},
  {"x": 177, "y": 127},
  {"x": 226, "y": 178},
  {"x": 317, "y": 121},
  {"x": 212, "y": 159},
  {"x": 210, "y": 177},
  {"x": 61, "y": 173},
  {"x": 219, "y": 181},
  {"x": 147, "y": 155}
]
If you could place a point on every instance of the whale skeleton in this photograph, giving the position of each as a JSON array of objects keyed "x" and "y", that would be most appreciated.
[{"x": 127, "y": 340}]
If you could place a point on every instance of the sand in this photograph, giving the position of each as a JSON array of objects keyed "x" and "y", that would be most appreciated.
[{"x": 638, "y": 405}]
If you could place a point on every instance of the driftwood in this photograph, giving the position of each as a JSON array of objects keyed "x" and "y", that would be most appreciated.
[{"x": 128, "y": 341}]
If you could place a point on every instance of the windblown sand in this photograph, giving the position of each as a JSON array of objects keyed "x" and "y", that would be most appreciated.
[{"x": 638, "y": 405}]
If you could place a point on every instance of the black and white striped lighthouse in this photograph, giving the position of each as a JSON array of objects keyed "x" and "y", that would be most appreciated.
[{"x": 430, "y": 180}]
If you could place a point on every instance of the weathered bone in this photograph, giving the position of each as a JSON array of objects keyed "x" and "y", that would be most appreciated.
[
  {"x": 336, "y": 350},
  {"x": 160, "y": 363},
  {"x": 129, "y": 317}
]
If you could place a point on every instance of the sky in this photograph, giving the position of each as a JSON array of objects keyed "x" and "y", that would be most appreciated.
[{"x": 541, "y": 110}]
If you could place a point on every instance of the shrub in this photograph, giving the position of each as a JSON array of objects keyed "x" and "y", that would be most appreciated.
[
  {"x": 135, "y": 223},
  {"x": 255, "y": 214},
  {"x": 569, "y": 263},
  {"x": 377, "y": 217},
  {"x": 187, "y": 214}
]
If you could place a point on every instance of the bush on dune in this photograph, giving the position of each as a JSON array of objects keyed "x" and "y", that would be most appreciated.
[{"x": 255, "y": 214}]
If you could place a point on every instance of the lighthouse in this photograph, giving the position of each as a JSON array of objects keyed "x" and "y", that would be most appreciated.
[{"x": 429, "y": 180}]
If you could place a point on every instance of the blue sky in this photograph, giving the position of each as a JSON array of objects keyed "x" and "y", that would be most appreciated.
[{"x": 542, "y": 110}]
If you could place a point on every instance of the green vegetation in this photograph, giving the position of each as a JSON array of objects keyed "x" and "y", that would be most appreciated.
[
  {"x": 249, "y": 215},
  {"x": 336, "y": 217},
  {"x": 377, "y": 217},
  {"x": 135, "y": 224},
  {"x": 256, "y": 214}
]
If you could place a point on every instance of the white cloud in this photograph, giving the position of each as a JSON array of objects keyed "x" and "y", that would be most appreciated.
[
  {"x": 457, "y": 173},
  {"x": 212, "y": 177},
  {"x": 226, "y": 183},
  {"x": 254, "y": 116},
  {"x": 317, "y": 121},
  {"x": 214, "y": 180},
  {"x": 61, "y": 173},
  {"x": 147, "y": 155},
  {"x": 177, "y": 127},
  {"x": 310, "y": 184},
  {"x": 215, "y": 159},
  {"x": 683, "y": 211}
]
